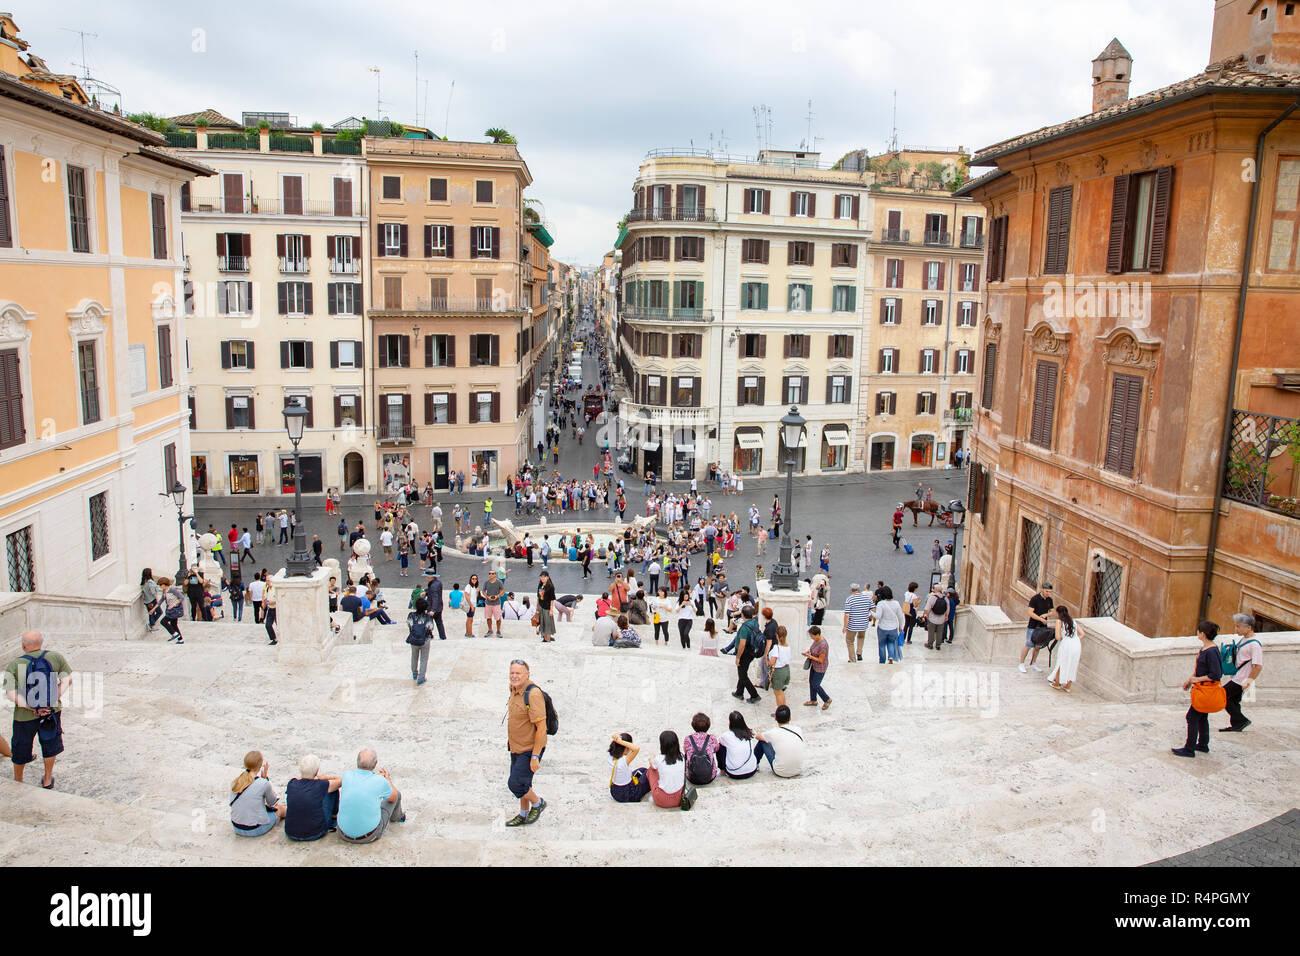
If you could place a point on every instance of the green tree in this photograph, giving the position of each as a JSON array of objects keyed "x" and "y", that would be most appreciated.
[
  {"x": 158, "y": 124},
  {"x": 498, "y": 135}
]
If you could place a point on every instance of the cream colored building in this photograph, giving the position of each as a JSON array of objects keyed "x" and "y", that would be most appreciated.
[
  {"x": 926, "y": 252},
  {"x": 92, "y": 379},
  {"x": 276, "y": 251},
  {"x": 740, "y": 296}
]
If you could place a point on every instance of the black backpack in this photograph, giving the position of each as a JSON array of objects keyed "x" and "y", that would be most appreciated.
[
  {"x": 940, "y": 606},
  {"x": 552, "y": 718},
  {"x": 418, "y": 630},
  {"x": 699, "y": 766},
  {"x": 40, "y": 685}
]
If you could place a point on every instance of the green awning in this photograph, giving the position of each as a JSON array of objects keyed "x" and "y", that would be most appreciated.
[
  {"x": 622, "y": 234},
  {"x": 538, "y": 230}
]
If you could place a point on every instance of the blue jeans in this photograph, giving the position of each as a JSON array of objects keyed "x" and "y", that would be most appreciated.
[
  {"x": 887, "y": 643},
  {"x": 236, "y": 608},
  {"x": 732, "y": 646},
  {"x": 815, "y": 679},
  {"x": 155, "y": 613},
  {"x": 271, "y": 818},
  {"x": 764, "y": 749},
  {"x": 220, "y": 555}
]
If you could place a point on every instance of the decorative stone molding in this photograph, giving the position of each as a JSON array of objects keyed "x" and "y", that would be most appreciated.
[
  {"x": 1124, "y": 349},
  {"x": 992, "y": 329},
  {"x": 13, "y": 324},
  {"x": 1148, "y": 152},
  {"x": 87, "y": 319},
  {"x": 1062, "y": 173},
  {"x": 1046, "y": 340},
  {"x": 164, "y": 308},
  {"x": 1101, "y": 165}
]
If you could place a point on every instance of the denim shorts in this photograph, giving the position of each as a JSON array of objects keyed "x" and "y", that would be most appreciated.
[
  {"x": 521, "y": 773},
  {"x": 1029, "y": 636}
]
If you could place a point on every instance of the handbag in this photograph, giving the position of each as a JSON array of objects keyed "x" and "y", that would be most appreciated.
[
  {"x": 536, "y": 619},
  {"x": 1209, "y": 697}
]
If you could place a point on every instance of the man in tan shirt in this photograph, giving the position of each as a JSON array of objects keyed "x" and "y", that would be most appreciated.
[{"x": 526, "y": 738}]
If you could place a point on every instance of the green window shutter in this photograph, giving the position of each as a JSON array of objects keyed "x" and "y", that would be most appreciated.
[
  {"x": 789, "y": 297},
  {"x": 677, "y": 294},
  {"x": 699, "y": 295},
  {"x": 762, "y": 295}
]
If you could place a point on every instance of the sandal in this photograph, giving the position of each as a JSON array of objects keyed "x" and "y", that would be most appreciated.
[{"x": 827, "y": 704}]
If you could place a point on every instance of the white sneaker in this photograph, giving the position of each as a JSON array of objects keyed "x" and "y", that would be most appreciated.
[
  {"x": 1037, "y": 668},
  {"x": 1023, "y": 670}
]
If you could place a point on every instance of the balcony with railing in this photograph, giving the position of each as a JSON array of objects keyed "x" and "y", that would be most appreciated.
[
  {"x": 344, "y": 267},
  {"x": 1263, "y": 462},
  {"x": 895, "y": 235},
  {"x": 455, "y": 304},
  {"x": 244, "y": 206},
  {"x": 645, "y": 313},
  {"x": 673, "y": 214},
  {"x": 394, "y": 434},
  {"x": 972, "y": 242},
  {"x": 289, "y": 266},
  {"x": 232, "y": 263},
  {"x": 958, "y": 416},
  {"x": 935, "y": 238}
]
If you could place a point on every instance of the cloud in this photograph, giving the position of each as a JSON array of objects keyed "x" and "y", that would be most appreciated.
[{"x": 589, "y": 87}]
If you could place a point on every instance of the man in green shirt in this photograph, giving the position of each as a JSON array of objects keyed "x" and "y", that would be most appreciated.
[{"x": 37, "y": 705}]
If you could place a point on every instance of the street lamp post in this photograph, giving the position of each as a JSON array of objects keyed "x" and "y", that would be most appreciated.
[
  {"x": 783, "y": 576},
  {"x": 959, "y": 515},
  {"x": 177, "y": 491},
  {"x": 300, "y": 563}
]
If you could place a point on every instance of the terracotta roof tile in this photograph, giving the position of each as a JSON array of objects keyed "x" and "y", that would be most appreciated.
[
  {"x": 1227, "y": 76},
  {"x": 208, "y": 117}
]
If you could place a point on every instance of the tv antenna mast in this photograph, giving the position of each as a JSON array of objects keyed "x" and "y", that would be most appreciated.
[
  {"x": 808, "y": 141},
  {"x": 417, "y": 87},
  {"x": 446, "y": 122},
  {"x": 379, "y": 103},
  {"x": 893, "y": 141},
  {"x": 85, "y": 66}
]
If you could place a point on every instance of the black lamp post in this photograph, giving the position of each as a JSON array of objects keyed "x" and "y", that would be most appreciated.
[
  {"x": 959, "y": 521},
  {"x": 783, "y": 576},
  {"x": 177, "y": 491},
  {"x": 300, "y": 563}
]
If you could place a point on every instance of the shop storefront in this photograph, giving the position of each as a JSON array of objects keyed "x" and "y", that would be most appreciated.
[
  {"x": 747, "y": 455},
  {"x": 312, "y": 475},
  {"x": 652, "y": 449},
  {"x": 922, "y": 451},
  {"x": 835, "y": 448},
  {"x": 484, "y": 467},
  {"x": 882, "y": 454},
  {"x": 684, "y": 455},
  {"x": 244, "y": 475},
  {"x": 199, "y": 474},
  {"x": 397, "y": 469},
  {"x": 441, "y": 471}
]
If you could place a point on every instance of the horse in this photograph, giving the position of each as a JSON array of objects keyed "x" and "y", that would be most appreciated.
[{"x": 918, "y": 507}]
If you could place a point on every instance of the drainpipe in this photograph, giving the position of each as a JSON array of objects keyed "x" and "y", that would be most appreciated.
[{"x": 1229, "y": 402}]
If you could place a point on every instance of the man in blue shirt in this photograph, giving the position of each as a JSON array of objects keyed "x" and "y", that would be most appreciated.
[
  {"x": 356, "y": 606},
  {"x": 368, "y": 801}
]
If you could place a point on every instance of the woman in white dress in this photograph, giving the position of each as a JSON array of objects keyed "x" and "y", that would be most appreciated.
[{"x": 1068, "y": 651}]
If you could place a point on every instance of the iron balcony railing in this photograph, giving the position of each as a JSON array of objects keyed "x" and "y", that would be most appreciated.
[
  {"x": 895, "y": 235},
  {"x": 972, "y": 242},
  {"x": 344, "y": 267},
  {"x": 673, "y": 214},
  {"x": 395, "y": 433},
  {"x": 243, "y": 205},
  {"x": 933, "y": 238},
  {"x": 958, "y": 416},
  {"x": 294, "y": 266},
  {"x": 232, "y": 263},
  {"x": 455, "y": 304},
  {"x": 644, "y": 313},
  {"x": 1258, "y": 473}
]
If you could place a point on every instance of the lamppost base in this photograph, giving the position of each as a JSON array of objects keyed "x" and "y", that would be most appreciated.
[
  {"x": 299, "y": 565},
  {"x": 783, "y": 579}
]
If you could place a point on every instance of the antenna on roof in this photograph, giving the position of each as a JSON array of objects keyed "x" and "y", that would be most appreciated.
[
  {"x": 85, "y": 67},
  {"x": 417, "y": 87},
  {"x": 893, "y": 140},
  {"x": 446, "y": 121},
  {"x": 808, "y": 141}
]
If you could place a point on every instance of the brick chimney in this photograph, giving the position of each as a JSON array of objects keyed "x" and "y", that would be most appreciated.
[
  {"x": 1110, "y": 76},
  {"x": 1274, "y": 36},
  {"x": 1231, "y": 34}
]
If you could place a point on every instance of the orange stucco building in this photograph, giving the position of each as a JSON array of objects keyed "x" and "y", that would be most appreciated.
[{"x": 1136, "y": 441}]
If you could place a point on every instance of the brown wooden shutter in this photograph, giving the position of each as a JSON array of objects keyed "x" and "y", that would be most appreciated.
[
  {"x": 677, "y": 245},
  {"x": 406, "y": 410},
  {"x": 331, "y": 247},
  {"x": 785, "y": 349},
  {"x": 428, "y": 241},
  {"x": 848, "y": 346},
  {"x": 812, "y": 204},
  {"x": 1160, "y": 218},
  {"x": 451, "y": 408},
  {"x": 279, "y": 245},
  {"x": 812, "y": 249},
  {"x": 803, "y": 389},
  {"x": 284, "y": 354},
  {"x": 740, "y": 391},
  {"x": 338, "y": 400},
  {"x": 1040, "y": 424},
  {"x": 695, "y": 392},
  {"x": 975, "y": 278},
  {"x": 767, "y": 202},
  {"x": 428, "y": 351},
  {"x": 880, "y": 362},
  {"x": 941, "y": 276},
  {"x": 767, "y": 250},
  {"x": 853, "y": 249},
  {"x": 496, "y": 242},
  {"x": 225, "y": 355},
  {"x": 230, "y": 412},
  {"x": 331, "y": 297},
  {"x": 855, "y": 216},
  {"x": 793, "y": 196},
  {"x": 762, "y": 390},
  {"x": 401, "y": 241},
  {"x": 451, "y": 242},
  {"x": 248, "y": 350},
  {"x": 221, "y": 244},
  {"x": 496, "y": 406},
  {"x": 762, "y": 346},
  {"x": 789, "y": 253},
  {"x": 1059, "y": 209},
  {"x": 428, "y": 408},
  {"x": 1118, "y": 224},
  {"x": 681, "y": 200},
  {"x": 785, "y": 386}
]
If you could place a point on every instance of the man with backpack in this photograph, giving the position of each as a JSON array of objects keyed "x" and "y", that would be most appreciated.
[
  {"x": 36, "y": 683},
  {"x": 433, "y": 593},
  {"x": 530, "y": 718},
  {"x": 1243, "y": 661},
  {"x": 417, "y": 635},
  {"x": 936, "y": 613}
]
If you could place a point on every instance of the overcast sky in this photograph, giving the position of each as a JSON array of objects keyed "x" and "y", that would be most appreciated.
[{"x": 588, "y": 87}]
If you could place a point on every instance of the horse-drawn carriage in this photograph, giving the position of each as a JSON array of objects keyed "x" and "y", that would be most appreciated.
[{"x": 935, "y": 510}]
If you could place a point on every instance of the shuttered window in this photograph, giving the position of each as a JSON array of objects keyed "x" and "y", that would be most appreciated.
[
  {"x": 1122, "y": 426},
  {"x": 89, "y": 373},
  {"x": 1060, "y": 206},
  {"x": 12, "y": 430},
  {"x": 78, "y": 209},
  {"x": 990, "y": 373},
  {"x": 1044, "y": 411},
  {"x": 6, "y": 230},
  {"x": 165, "y": 375},
  {"x": 1139, "y": 221},
  {"x": 158, "y": 222},
  {"x": 997, "y": 254}
]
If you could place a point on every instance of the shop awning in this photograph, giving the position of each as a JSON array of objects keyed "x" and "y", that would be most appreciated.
[
  {"x": 835, "y": 436},
  {"x": 682, "y": 447},
  {"x": 651, "y": 445},
  {"x": 750, "y": 439}
]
